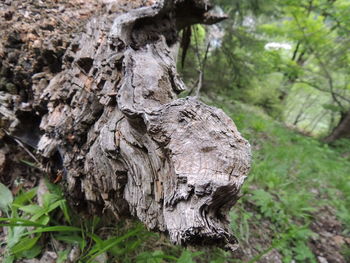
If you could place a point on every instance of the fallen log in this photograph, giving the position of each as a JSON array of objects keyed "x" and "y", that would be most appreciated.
[{"x": 110, "y": 122}]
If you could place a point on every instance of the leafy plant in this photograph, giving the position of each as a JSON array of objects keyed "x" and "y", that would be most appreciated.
[
  {"x": 23, "y": 213},
  {"x": 6, "y": 198}
]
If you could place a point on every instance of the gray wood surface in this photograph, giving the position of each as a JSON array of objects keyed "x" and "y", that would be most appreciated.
[{"x": 125, "y": 143}]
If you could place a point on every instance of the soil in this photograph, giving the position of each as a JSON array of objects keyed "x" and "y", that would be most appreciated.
[{"x": 328, "y": 244}]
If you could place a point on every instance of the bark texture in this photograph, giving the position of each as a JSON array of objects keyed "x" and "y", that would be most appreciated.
[
  {"x": 342, "y": 130},
  {"x": 112, "y": 124}
]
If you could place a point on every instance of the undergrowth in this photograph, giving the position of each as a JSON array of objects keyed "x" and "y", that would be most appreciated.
[
  {"x": 32, "y": 228},
  {"x": 292, "y": 177}
]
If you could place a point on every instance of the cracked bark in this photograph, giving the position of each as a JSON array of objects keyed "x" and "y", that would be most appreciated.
[{"x": 111, "y": 122}]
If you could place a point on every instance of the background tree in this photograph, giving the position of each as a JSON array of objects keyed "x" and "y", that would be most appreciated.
[{"x": 274, "y": 55}]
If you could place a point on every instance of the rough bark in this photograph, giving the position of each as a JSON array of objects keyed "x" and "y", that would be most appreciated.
[
  {"x": 342, "y": 130},
  {"x": 111, "y": 123}
]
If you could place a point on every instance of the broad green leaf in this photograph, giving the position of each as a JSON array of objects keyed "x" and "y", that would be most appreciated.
[
  {"x": 50, "y": 199},
  {"x": 6, "y": 198},
  {"x": 31, "y": 253},
  {"x": 9, "y": 259},
  {"x": 25, "y": 244},
  {"x": 46, "y": 210},
  {"x": 62, "y": 256},
  {"x": 24, "y": 197},
  {"x": 44, "y": 220},
  {"x": 31, "y": 209},
  {"x": 54, "y": 205},
  {"x": 14, "y": 235},
  {"x": 198, "y": 34}
]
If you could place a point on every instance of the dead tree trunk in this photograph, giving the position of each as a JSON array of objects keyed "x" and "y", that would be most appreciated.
[
  {"x": 342, "y": 130},
  {"x": 111, "y": 123}
]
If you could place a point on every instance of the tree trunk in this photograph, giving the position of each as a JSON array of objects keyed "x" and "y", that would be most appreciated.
[
  {"x": 342, "y": 130},
  {"x": 105, "y": 115}
]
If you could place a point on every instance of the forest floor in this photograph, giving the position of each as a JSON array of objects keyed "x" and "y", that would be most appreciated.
[{"x": 294, "y": 205}]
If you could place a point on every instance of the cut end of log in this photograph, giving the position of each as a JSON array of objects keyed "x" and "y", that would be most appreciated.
[{"x": 210, "y": 162}]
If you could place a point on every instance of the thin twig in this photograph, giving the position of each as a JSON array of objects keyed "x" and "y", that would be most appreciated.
[{"x": 23, "y": 147}]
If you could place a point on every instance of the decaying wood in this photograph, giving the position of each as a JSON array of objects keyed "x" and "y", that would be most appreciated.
[{"x": 111, "y": 122}]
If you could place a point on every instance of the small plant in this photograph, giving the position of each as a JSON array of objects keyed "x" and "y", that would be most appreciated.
[
  {"x": 29, "y": 224},
  {"x": 294, "y": 245},
  {"x": 240, "y": 224},
  {"x": 26, "y": 221}
]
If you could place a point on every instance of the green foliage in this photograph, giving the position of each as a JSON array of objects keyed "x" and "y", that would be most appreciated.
[
  {"x": 317, "y": 33},
  {"x": 62, "y": 256},
  {"x": 346, "y": 252},
  {"x": 294, "y": 245},
  {"x": 187, "y": 256},
  {"x": 24, "y": 242},
  {"x": 157, "y": 256},
  {"x": 292, "y": 177},
  {"x": 240, "y": 224},
  {"x": 6, "y": 198},
  {"x": 30, "y": 226},
  {"x": 198, "y": 35},
  {"x": 23, "y": 212}
]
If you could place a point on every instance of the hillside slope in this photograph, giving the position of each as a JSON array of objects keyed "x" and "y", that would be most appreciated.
[{"x": 296, "y": 202}]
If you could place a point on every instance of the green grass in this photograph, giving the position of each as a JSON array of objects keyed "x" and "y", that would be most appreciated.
[{"x": 292, "y": 177}]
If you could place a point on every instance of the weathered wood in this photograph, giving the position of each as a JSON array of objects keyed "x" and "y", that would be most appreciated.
[
  {"x": 341, "y": 131},
  {"x": 124, "y": 142}
]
